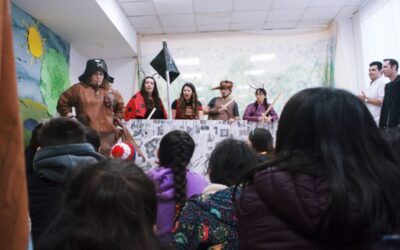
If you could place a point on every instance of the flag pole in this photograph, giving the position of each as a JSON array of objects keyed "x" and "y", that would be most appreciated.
[{"x": 168, "y": 99}]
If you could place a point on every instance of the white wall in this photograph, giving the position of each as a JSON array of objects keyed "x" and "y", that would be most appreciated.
[
  {"x": 77, "y": 63},
  {"x": 124, "y": 72}
]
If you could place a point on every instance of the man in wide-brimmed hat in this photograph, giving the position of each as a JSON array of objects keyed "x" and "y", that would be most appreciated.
[
  {"x": 97, "y": 105},
  {"x": 223, "y": 108}
]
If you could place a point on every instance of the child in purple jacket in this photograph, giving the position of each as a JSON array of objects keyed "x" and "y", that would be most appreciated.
[{"x": 174, "y": 182}]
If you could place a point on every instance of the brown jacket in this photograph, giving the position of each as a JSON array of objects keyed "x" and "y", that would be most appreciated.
[{"x": 99, "y": 107}]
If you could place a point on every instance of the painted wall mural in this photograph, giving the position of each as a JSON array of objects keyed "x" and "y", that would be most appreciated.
[{"x": 42, "y": 64}]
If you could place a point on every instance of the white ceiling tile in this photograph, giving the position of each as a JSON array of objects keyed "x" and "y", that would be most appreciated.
[
  {"x": 154, "y": 30},
  {"x": 328, "y": 3},
  {"x": 280, "y": 25},
  {"x": 243, "y": 5},
  {"x": 347, "y": 11},
  {"x": 173, "y": 7},
  {"x": 248, "y": 16},
  {"x": 212, "y": 27},
  {"x": 138, "y": 8},
  {"x": 121, "y": 1},
  {"x": 213, "y": 5},
  {"x": 178, "y": 20},
  {"x": 290, "y": 4},
  {"x": 180, "y": 29},
  {"x": 320, "y": 13},
  {"x": 246, "y": 26},
  {"x": 144, "y": 21},
  {"x": 357, "y": 3},
  {"x": 313, "y": 23},
  {"x": 285, "y": 15},
  {"x": 213, "y": 18}
]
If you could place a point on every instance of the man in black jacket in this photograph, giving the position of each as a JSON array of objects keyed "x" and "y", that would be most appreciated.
[{"x": 390, "y": 113}]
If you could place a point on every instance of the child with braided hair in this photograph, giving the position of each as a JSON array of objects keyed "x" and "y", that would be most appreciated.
[{"x": 174, "y": 182}]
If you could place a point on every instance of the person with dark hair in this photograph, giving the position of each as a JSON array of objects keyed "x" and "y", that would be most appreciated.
[
  {"x": 373, "y": 96},
  {"x": 111, "y": 205},
  {"x": 209, "y": 219},
  {"x": 62, "y": 149},
  {"x": 223, "y": 108},
  {"x": 255, "y": 111},
  {"x": 392, "y": 136},
  {"x": 390, "y": 112},
  {"x": 31, "y": 149},
  {"x": 260, "y": 139},
  {"x": 187, "y": 106},
  {"x": 93, "y": 138},
  {"x": 141, "y": 105},
  {"x": 97, "y": 105},
  {"x": 174, "y": 182},
  {"x": 332, "y": 184}
]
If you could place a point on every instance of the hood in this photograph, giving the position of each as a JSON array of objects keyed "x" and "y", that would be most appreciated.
[{"x": 56, "y": 162}]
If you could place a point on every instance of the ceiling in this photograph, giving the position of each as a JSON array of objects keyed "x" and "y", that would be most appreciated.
[
  {"x": 108, "y": 28},
  {"x": 185, "y": 16}
]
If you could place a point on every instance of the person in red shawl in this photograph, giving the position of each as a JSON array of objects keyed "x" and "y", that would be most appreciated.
[{"x": 141, "y": 105}]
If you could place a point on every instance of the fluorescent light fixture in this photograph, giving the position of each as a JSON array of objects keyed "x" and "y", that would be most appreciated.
[
  {"x": 262, "y": 57},
  {"x": 191, "y": 76},
  {"x": 187, "y": 61},
  {"x": 254, "y": 72}
]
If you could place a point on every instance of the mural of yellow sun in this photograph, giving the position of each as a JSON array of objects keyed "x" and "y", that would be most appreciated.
[{"x": 35, "y": 42}]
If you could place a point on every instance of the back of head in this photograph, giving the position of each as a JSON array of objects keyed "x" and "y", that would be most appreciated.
[
  {"x": 329, "y": 132},
  {"x": 392, "y": 136},
  {"x": 229, "y": 160},
  {"x": 92, "y": 137},
  {"x": 61, "y": 131},
  {"x": 175, "y": 151},
  {"x": 112, "y": 205},
  {"x": 261, "y": 140}
]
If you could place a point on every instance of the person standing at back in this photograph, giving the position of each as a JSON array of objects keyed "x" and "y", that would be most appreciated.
[
  {"x": 390, "y": 113},
  {"x": 97, "y": 105},
  {"x": 373, "y": 95}
]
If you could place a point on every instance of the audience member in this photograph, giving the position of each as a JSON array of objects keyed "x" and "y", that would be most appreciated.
[
  {"x": 333, "y": 182},
  {"x": 260, "y": 139},
  {"x": 390, "y": 112},
  {"x": 62, "y": 149},
  {"x": 208, "y": 221},
  {"x": 93, "y": 138},
  {"x": 174, "y": 182},
  {"x": 111, "y": 205}
]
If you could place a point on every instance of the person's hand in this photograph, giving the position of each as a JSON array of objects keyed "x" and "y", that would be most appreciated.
[{"x": 231, "y": 120}]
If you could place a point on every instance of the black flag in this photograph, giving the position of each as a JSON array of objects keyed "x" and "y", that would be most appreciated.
[{"x": 163, "y": 62}]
